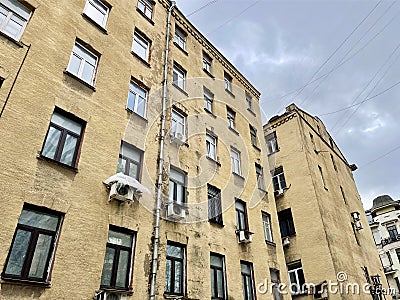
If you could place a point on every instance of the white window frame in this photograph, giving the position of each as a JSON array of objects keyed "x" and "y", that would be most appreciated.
[
  {"x": 10, "y": 13},
  {"x": 180, "y": 75},
  {"x": 235, "y": 157},
  {"x": 139, "y": 40},
  {"x": 231, "y": 116},
  {"x": 207, "y": 61},
  {"x": 211, "y": 143},
  {"x": 322, "y": 176},
  {"x": 101, "y": 7},
  {"x": 180, "y": 38},
  {"x": 208, "y": 100},
  {"x": 82, "y": 64},
  {"x": 228, "y": 82},
  {"x": 147, "y": 6},
  {"x": 180, "y": 119},
  {"x": 295, "y": 271},
  {"x": 272, "y": 143},
  {"x": 133, "y": 90},
  {"x": 260, "y": 177},
  {"x": 278, "y": 178},
  {"x": 266, "y": 219}
]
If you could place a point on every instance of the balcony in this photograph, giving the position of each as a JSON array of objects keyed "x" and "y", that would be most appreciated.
[{"x": 390, "y": 240}]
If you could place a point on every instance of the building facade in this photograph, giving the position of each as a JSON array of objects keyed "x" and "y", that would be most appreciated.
[
  {"x": 132, "y": 159},
  {"x": 383, "y": 220},
  {"x": 320, "y": 212}
]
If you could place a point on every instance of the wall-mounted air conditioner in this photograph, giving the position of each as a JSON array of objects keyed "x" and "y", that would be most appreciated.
[
  {"x": 244, "y": 236},
  {"x": 286, "y": 241},
  {"x": 177, "y": 137},
  {"x": 176, "y": 211},
  {"x": 121, "y": 192},
  {"x": 279, "y": 192}
]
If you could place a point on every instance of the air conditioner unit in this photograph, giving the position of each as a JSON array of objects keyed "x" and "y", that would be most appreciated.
[
  {"x": 177, "y": 137},
  {"x": 358, "y": 225},
  {"x": 176, "y": 211},
  {"x": 121, "y": 192},
  {"x": 356, "y": 216},
  {"x": 111, "y": 296},
  {"x": 286, "y": 241},
  {"x": 279, "y": 192},
  {"x": 244, "y": 236}
]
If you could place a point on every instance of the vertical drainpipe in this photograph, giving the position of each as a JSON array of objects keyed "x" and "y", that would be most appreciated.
[{"x": 156, "y": 240}]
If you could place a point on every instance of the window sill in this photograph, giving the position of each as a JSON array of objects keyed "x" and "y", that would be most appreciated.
[
  {"x": 136, "y": 114},
  {"x": 174, "y": 296},
  {"x": 234, "y": 130},
  {"x": 239, "y": 176},
  {"x": 180, "y": 48},
  {"x": 80, "y": 80},
  {"x": 214, "y": 223},
  {"x": 210, "y": 112},
  {"x": 273, "y": 152},
  {"x": 209, "y": 74},
  {"x": 256, "y": 147},
  {"x": 93, "y": 22},
  {"x": 143, "y": 61},
  {"x": 230, "y": 93},
  {"x": 180, "y": 89},
  {"x": 41, "y": 157},
  {"x": 128, "y": 292},
  {"x": 214, "y": 161},
  {"x": 18, "y": 43},
  {"x": 146, "y": 17},
  {"x": 16, "y": 281},
  {"x": 270, "y": 243},
  {"x": 252, "y": 112}
]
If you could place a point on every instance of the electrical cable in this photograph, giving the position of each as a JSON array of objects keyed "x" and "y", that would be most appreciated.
[{"x": 201, "y": 7}]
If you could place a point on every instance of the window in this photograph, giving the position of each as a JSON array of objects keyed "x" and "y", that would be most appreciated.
[
  {"x": 218, "y": 277},
  {"x": 247, "y": 280},
  {"x": 333, "y": 163},
  {"x": 313, "y": 143},
  {"x": 129, "y": 161},
  {"x": 118, "y": 259},
  {"x": 83, "y": 64},
  {"x": 63, "y": 138},
  {"x": 180, "y": 37},
  {"x": 253, "y": 136},
  {"x": 260, "y": 177},
  {"x": 235, "y": 156},
  {"x": 214, "y": 204},
  {"x": 179, "y": 77},
  {"x": 178, "y": 125},
  {"x": 322, "y": 176},
  {"x": 296, "y": 278},
  {"x": 392, "y": 231},
  {"x": 177, "y": 186},
  {"x": 13, "y": 18},
  {"x": 241, "y": 215},
  {"x": 137, "y": 99},
  {"x": 231, "y": 115},
  {"x": 1, "y": 81},
  {"x": 272, "y": 143},
  {"x": 398, "y": 253},
  {"x": 275, "y": 282},
  {"x": 208, "y": 100},
  {"x": 207, "y": 60},
  {"x": 33, "y": 247},
  {"x": 146, "y": 7},
  {"x": 141, "y": 46},
  {"x": 376, "y": 236},
  {"x": 286, "y": 223},
  {"x": 278, "y": 179},
  {"x": 211, "y": 146},
  {"x": 228, "y": 82},
  {"x": 249, "y": 102},
  {"x": 175, "y": 269},
  {"x": 266, "y": 219},
  {"x": 331, "y": 143},
  {"x": 343, "y": 195},
  {"x": 96, "y": 11}
]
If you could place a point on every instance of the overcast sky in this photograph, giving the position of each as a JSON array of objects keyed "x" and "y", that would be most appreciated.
[{"x": 282, "y": 45}]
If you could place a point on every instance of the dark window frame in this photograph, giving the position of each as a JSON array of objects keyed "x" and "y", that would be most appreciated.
[
  {"x": 286, "y": 223},
  {"x": 253, "y": 135},
  {"x": 129, "y": 160},
  {"x": 239, "y": 213},
  {"x": 35, "y": 232},
  {"x": 63, "y": 136},
  {"x": 244, "y": 281},
  {"x": 173, "y": 259},
  {"x": 295, "y": 267},
  {"x": 214, "y": 205},
  {"x": 260, "y": 176},
  {"x": 278, "y": 179},
  {"x": 270, "y": 140},
  {"x": 214, "y": 270},
  {"x": 393, "y": 232},
  {"x": 231, "y": 116},
  {"x": 118, "y": 249}
]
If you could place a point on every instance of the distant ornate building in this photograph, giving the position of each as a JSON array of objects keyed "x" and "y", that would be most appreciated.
[{"x": 383, "y": 219}]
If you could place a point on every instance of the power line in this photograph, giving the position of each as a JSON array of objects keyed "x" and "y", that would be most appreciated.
[
  {"x": 235, "y": 16},
  {"x": 380, "y": 157},
  {"x": 200, "y": 8},
  {"x": 336, "y": 50},
  {"x": 351, "y": 49},
  {"x": 358, "y": 103}
]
